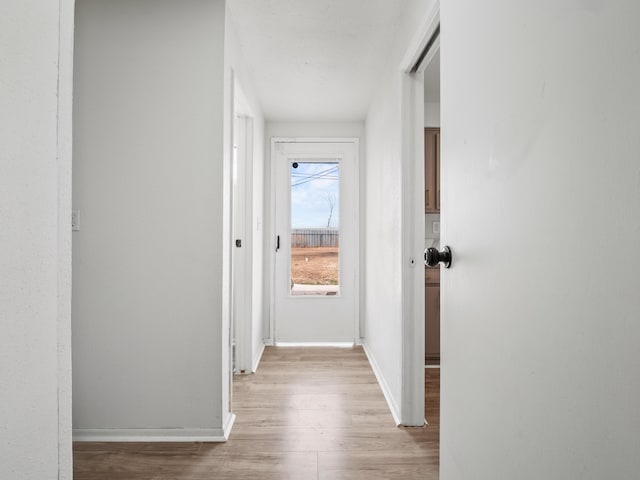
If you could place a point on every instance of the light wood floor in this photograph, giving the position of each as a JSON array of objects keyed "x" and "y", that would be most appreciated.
[{"x": 308, "y": 413}]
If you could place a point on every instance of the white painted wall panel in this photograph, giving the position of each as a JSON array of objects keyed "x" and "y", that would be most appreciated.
[
  {"x": 383, "y": 265},
  {"x": 383, "y": 310},
  {"x": 35, "y": 48},
  {"x": 431, "y": 114},
  {"x": 148, "y": 181},
  {"x": 260, "y": 253}
]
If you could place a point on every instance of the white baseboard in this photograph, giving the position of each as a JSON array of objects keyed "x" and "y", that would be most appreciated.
[
  {"x": 155, "y": 434},
  {"x": 226, "y": 430},
  {"x": 393, "y": 406},
  {"x": 257, "y": 357},
  {"x": 316, "y": 344}
]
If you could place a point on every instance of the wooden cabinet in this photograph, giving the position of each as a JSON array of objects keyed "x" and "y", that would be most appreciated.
[
  {"x": 432, "y": 170},
  {"x": 432, "y": 316}
]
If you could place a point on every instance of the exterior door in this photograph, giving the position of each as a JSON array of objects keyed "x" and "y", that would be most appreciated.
[
  {"x": 541, "y": 206},
  {"x": 316, "y": 195}
]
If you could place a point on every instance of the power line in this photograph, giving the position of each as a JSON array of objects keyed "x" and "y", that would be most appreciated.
[
  {"x": 323, "y": 172},
  {"x": 324, "y": 175},
  {"x": 302, "y": 182}
]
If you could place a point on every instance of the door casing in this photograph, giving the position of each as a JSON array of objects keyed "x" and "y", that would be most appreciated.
[{"x": 412, "y": 121}]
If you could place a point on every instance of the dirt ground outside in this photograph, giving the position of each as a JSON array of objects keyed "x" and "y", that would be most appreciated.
[{"x": 314, "y": 266}]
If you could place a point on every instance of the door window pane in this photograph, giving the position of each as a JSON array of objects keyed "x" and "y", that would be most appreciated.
[{"x": 315, "y": 228}]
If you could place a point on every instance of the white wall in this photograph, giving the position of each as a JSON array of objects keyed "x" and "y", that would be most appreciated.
[
  {"x": 258, "y": 241},
  {"x": 429, "y": 219},
  {"x": 383, "y": 310},
  {"x": 308, "y": 130},
  {"x": 431, "y": 114},
  {"x": 149, "y": 304},
  {"x": 540, "y": 319},
  {"x": 36, "y": 41}
]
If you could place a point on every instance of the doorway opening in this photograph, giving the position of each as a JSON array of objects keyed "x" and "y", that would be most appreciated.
[
  {"x": 432, "y": 155},
  {"x": 246, "y": 238},
  {"x": 420, "y": 219},
  {"x": 241, "y": 243},
  {"x": 432, "y": 159}
]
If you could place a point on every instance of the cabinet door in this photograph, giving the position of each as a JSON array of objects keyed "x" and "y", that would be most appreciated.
[
  {"x": 431, "y": 170},
  {"x": 437, "y": 141},
  {"x": 432, "y": 322}
]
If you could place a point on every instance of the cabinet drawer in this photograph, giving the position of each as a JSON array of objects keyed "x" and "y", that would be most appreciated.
[{"x": 432, "y": 275}]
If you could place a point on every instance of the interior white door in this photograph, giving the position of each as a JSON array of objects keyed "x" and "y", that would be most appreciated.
[
  {"x": 241, "y": 246},
  {"x": 316, "y": 197},
  {"x": 541, "y": 184}
]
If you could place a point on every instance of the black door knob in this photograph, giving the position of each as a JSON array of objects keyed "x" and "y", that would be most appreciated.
[{"x": 432, "y": 257}]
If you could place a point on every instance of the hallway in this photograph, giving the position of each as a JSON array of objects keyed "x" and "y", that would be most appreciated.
[{"x": 308, "y": 413}]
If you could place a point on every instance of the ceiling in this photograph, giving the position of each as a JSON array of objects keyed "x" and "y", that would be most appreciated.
[{"x": 313, "y": 60}]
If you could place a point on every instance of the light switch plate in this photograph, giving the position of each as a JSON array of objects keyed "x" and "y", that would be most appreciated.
[
  {"x": 75, "y": 220},
  {"x": 436, "y": 227}
]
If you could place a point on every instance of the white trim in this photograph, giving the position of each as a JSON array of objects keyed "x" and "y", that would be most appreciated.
[
  {"x": 227, "y": 303},
  {"x": 64, "y": 152},
  {"x": 356, "y": 243},
  {"x": 393, "y": 406},
  {"x": 435, "y": 48},
  {"x": 275, "y": 140},
  {"x": 316, "y": 344},
  {"x": 420, "y": 40},
  {"x": 412, "y": 161},
  {"x": 412, "y": 158},
  {"x": 155, "y": 434},
  {"x": 257, "y": 357},
  {"x": 431, "y": 366},
  {"x": 226, "y": 430},
  {"x": 272, "y": 242}
]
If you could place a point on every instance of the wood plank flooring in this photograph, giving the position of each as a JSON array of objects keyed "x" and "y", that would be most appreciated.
[{"x": 308, "y": 413}]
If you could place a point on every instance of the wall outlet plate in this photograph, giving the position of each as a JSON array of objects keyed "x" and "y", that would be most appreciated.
[{"x": 436, "y": 227}]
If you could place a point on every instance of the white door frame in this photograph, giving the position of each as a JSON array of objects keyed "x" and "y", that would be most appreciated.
[
  {"x": 412, "y": 127},
  {"x": 272, "y": 242},
  {"x": 242, "y": 230}
]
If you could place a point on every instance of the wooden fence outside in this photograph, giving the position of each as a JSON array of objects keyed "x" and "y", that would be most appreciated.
[{"x": 315, "y": 237}]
